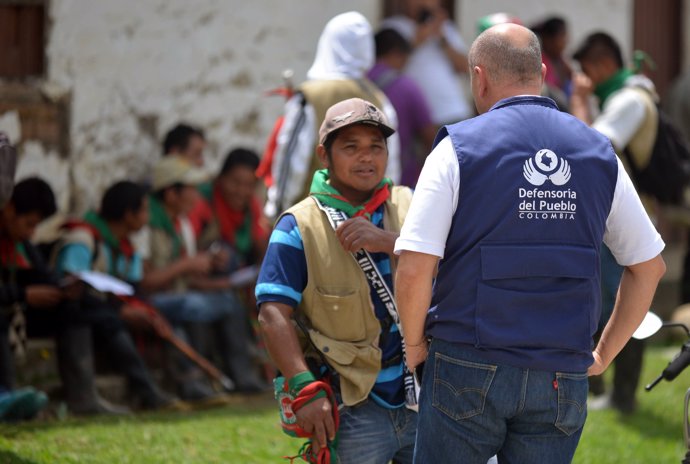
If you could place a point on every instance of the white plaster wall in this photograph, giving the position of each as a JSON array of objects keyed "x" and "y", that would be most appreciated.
[
  {"x": 136, "y": 67},
  {"x": 583, "y": 16}
]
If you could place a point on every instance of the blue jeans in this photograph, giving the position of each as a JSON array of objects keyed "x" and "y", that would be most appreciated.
[
  {"x": 471, "y": 410},
  {"x": 196, "y": 306},
  {"x": 372, "y": 434}
]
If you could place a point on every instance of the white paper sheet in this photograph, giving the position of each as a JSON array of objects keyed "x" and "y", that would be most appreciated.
[{"x": 106, "y": 283}]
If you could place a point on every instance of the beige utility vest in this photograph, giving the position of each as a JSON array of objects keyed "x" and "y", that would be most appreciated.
[
  {"x": 83, "y": 236},
  {"x": 336, "y": 302}
]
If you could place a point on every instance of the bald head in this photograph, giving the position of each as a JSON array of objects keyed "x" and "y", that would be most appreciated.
[{"x": 509, "y": 53}]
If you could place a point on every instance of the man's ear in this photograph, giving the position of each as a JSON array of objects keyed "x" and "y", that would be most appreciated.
[
  {"x": 482, "y": 80},
  {"x": 323, "y": 156}
]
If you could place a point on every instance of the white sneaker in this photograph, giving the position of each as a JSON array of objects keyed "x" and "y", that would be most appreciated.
[{"x": 599, "y": 403}]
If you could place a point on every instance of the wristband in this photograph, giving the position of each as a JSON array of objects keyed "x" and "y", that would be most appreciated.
[
  {"x": 423, "y": 342},
  {"x": 299, "y": 381}
]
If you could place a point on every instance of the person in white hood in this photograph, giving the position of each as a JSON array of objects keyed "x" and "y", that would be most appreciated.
[{"x": 344, "y": 54}]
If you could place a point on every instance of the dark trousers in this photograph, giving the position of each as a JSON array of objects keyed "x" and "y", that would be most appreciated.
[{"x": 626, "y": 377}]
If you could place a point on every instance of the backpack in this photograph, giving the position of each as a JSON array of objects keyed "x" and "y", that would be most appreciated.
[{"x": 667, "y": 173}]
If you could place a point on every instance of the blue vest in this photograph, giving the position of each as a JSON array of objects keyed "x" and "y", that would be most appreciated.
[{"x": 519, "y": 283}]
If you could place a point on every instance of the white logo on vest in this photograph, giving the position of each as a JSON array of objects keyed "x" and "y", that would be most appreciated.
[
  {"x": 545, "y": 204},
  {"x": 546, "y": 162}
]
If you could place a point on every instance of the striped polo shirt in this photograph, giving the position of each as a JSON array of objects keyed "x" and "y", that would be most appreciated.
[{"x": 283, "y": 278}]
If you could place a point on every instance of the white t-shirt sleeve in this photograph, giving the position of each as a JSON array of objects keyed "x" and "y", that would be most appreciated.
[
  {"x": 621, "y": 117},
  {"x": 630, "y": 234},
  {"x": 434, "y": 202}
]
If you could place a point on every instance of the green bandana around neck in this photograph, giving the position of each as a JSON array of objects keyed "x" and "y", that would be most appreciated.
[
  {"x": 323, "y": 191},
  {"x": 160, "y": 220},
  {"x": 243, "y": 236},
  {"x": 101, "y": 226},
  {"x": 612, "y": 84}
]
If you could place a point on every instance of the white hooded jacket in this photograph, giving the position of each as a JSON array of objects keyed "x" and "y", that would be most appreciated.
[{"x": 345, "y": 51}]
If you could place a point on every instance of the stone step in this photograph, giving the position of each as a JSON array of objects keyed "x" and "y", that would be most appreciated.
[{"x": 39, "y": 369}]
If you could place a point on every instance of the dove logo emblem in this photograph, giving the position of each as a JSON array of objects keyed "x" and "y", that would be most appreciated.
[{"x": 546, "y": 165}]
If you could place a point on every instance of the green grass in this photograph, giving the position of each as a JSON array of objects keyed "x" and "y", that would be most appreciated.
[
  {"x": 653, "y": 434},
  {"x": 248, "y": 432}
]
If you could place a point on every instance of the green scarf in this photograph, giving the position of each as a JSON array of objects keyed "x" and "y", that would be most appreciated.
[
  {"x": 159, "y": 219},
  {"x": 119, "y": 249},
  {"x": 206, "y": 190},
  {"x": 243, "y": 236},
  {"x": 102, "y": 227},
  {"x": 611, "y": 85},
  {"x": 329, "y": 196}
]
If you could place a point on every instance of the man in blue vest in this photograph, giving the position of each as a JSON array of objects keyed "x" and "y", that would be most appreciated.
[{"x": 512, "y": 207}]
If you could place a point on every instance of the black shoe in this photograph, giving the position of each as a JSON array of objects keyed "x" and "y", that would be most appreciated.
[
  {"x": 98, "y": 407},
  {"x": 156, "y": 400},
  {"x": 193, "y": 390},
  {"x": 160, "y": 402}
]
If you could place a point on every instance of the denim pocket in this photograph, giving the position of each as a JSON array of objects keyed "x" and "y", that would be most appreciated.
[
  {"x": 572, "y": 402},
  {"x": 460, "y": 387}
]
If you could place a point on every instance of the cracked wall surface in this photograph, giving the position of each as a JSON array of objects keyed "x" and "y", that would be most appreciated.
[{"x": 135, "y": 68}]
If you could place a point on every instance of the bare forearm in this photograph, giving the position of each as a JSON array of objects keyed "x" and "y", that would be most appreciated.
[
  {"x": 457, "y": 59},
  {"x": 413, "y": 302},
  {"x": 635, "y": 294},
  {"x": 157, "y": 279},
  {"x": 413, "y": 283},
  {"x": 281, "y": 339},
  {"x": 389, "y": 242},
  {"x": 579, "y": 107},
  {"x": 210, "y": 283}
]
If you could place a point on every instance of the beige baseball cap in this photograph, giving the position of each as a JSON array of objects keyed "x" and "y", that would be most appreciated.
[
  {"x": 353, "y": 111},
  {"x": 171, "y": 170}
]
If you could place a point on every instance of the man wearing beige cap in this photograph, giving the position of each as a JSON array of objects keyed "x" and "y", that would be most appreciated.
[
  {"x": 327, "y": 266},
  {"x": 174, "y": 193},
  {"x": 181, "y": 284}
]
